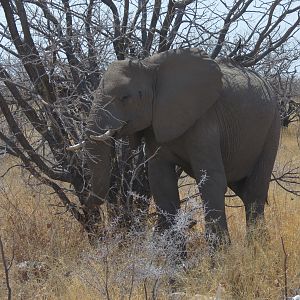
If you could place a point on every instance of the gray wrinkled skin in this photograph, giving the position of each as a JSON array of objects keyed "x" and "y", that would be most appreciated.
[{"x": 196, "y": 113}]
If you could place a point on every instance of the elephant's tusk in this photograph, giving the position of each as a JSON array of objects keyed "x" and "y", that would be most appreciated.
[
  {"x": 103, "y": 137},
  {"x": 76, "y": 147}
]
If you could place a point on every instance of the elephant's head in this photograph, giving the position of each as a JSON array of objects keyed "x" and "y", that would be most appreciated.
[
  {"x": 124, "y": 102},
  {"x": 168, "y": 91}
]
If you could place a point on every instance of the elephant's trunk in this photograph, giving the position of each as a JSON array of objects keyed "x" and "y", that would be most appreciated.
[
  {"x": 102, "y": 124},
  {"x": 99, "y": 156},
  {"x": 99, "y": 164}
]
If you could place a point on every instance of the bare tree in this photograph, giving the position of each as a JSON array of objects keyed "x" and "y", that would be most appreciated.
[{"x": 53, "y": 54}]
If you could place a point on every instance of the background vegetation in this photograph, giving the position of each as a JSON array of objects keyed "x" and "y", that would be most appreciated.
[{"x": 52, "y": 57}]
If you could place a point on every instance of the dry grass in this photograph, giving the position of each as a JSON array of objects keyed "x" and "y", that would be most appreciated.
[{"x": 67, "y": 268}]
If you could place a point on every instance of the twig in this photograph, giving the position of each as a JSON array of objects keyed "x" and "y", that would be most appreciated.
[
  {"x": 132, "y": 275},
  {"x": 6, "y": 270},
  {"x": 106, "y": 273},
  {"x": 145, "y": 289},
  {"x": 284, "y": 269},
  {"x": 155, "y": 288}
]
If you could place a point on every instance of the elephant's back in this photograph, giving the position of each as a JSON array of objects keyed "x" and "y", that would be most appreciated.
[
  {"x": 247, "y": 85},
  {"x": 248, "y": 95}
]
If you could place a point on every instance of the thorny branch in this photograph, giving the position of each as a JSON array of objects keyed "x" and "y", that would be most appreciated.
[{"x": 289, "y": 179}]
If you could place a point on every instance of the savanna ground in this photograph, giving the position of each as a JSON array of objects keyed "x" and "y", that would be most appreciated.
[{"x": 60, "y": 264}]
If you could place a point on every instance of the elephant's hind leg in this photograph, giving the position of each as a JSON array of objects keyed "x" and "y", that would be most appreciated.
[
  {"x": 254, "y": 197},
  {"x": 256, "y": 186}
]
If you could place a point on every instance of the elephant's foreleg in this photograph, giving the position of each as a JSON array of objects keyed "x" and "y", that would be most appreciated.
[
  {"x": 163, "y": 184},
  {"x": 163, "y": 180}
]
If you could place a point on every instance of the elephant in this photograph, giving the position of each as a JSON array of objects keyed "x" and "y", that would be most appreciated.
[{"x": 193, "y": 112}]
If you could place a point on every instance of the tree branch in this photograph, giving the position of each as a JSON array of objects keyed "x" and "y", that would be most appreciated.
[
  {"x": 153, "y": 23},
  {"x": 163, "y": 41},
  {"x": 26, "y": 145},
  {"x": 120, "y": 53},
  {"x": 28, "y": 165},
  {"x": 230, "y": 18},
  {"x": 92, "y": 53},
  {"x": 27, "y": 50}
]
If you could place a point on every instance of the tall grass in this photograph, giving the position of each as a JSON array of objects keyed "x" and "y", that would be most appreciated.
[{"x": 61, "y": 265}]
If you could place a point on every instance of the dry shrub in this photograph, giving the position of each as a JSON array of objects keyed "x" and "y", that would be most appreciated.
[
  {"x": 35, "y": 232},
  {"x": 133, "y": 265}
]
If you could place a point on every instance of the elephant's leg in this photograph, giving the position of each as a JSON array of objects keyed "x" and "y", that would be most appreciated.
[
  {"x": 212, "y": 187},
  {"x": 241, "y": 189},
  {"x": 163, "y": 181},
  {"x": 208, "y": 169},
  {"x": 254, "y": 200},
  {"x": 255, "y": 191},
  {"x": 213, "y": 193},
  {"x": 254, "y": 195}
]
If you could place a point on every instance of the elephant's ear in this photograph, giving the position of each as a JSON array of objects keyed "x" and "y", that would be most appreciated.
[{"x": 188, "y": 84}]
